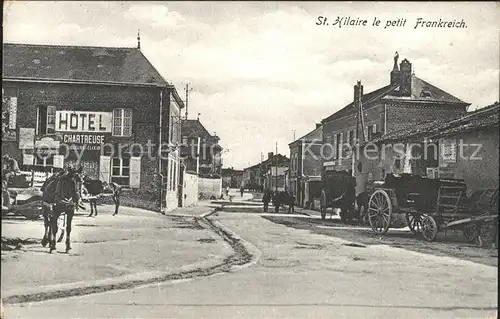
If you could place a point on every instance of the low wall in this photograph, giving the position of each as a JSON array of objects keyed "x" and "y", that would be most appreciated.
[
  {"x": 208, "y": 187},
  {"x": 190, "y": 190}
]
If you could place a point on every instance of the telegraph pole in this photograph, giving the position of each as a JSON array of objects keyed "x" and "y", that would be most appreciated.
[{"x": 187, "y": 89}]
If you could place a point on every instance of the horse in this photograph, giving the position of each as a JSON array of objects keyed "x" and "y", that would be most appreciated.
[
  {"x": 96, "y": 188},
  {"x": 283, "y": 198},
  {"x": 61, "y": 194}
]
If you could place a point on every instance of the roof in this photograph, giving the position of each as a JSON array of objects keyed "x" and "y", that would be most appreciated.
[
  {"x": 275, "y": 158},
  {"x": 314, "y": 135},
  {"x": 421, "y": 92},
  {"x": 482, "y": 118},
  {"x": 78, "y": 63},
  {"x": 194, "y": 128},
  {"x": 230, "y": 171},
  {"x": 366, "y": 100},
  {"x": 424, "y": 91}
]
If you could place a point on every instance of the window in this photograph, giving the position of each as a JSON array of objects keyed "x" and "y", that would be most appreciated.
[
  {"x": 350, "y": 137},
  {"x": 426, "y": 94},
  {"x": 296, "y": 162},
  {"x": 338, "y": 145},
  {"x": 372, "y": 129},
  {"x": 46, "y": 120},
  {"x": 44, "y": 161},
  {"x": 184, "y": 140},
  {"x": 382, "y": 123},
  {"x": 120, "y": 171},
  {"x": 122, "y": 122}
]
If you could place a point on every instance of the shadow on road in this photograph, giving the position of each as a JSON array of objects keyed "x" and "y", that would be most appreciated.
[{"x": 451, "y": 244}]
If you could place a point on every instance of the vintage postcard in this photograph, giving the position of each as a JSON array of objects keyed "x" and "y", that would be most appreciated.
[{"x": 243, "y": 159}]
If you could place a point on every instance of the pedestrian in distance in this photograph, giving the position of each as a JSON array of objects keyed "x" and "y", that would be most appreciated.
[
  {"x": 117, "y": 190},
  {"x": 266, "y": 198},
  {"x": 241, "y": 191},
  {"x": 227, "y": 191}
]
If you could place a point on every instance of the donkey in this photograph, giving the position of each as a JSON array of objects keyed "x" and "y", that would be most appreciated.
[
  {"x": 95, "y": 188},
  {"x": 61, "y": 194}
]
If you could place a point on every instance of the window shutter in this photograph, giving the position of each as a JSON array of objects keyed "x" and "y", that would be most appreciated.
[
  {"x": 335, "y": 146},
  {"x": 374, "y": 128},
  {"x": 59, "y": 161},
  {"x": 28, "y": 159},
  {"x": 135, "y": 172},
  {"x": 341, "y": 145},
  {"x": 104, "y": 168},
  {"x": 12, "y": 112}
]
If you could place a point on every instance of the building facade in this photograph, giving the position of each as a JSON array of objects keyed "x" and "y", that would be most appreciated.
[
  {"x": 464, "y": 148},
  {"x": 200, "y": 150},
  {"x": 232, "y": 178},
  {"x": 107, "y": 109},
  {"x": 406, "y": 101},
  {"x": 268, "y": 174},
  {"x": 304, "y": 175}
]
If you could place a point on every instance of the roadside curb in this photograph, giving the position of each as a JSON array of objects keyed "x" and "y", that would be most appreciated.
[
  {"x": 240, "y": 258},
  {"x": 252, "y": 250},
  {"x": 215, "y": 210}
]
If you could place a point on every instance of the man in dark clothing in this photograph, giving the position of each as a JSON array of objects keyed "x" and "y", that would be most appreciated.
[
  {"x": 117, "y": 190},
  {"x": 266, "y": 199},
  {"x": 9, "y": 168},
  {"x": 241, "y": 191}
]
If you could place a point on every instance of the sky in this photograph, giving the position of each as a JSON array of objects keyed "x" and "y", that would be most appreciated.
[{"x": 261, "y": 72}]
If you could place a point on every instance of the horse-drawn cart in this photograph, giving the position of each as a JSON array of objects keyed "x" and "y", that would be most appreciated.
[
  {"x": 338, "y": 191},
  {"x": 22, "y": 196},
  {"x": 428, "y": 206}
]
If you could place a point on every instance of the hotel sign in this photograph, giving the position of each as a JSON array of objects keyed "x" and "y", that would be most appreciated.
[{"x": 83, "y": 122}]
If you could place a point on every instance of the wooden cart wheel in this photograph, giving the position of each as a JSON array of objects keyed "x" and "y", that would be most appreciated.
[
  {"x": 429, "y": 228},
  {"x": 380, "y": 211},
  {"x": 323, "y": 205},
  {"x": 414, "y": 222}
]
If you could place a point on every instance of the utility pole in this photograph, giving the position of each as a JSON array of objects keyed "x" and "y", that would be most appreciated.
[
  {"x": 359, "y": 120},
  {"x": 187, "y": 89},
  {"x": 276, "y": 168}
]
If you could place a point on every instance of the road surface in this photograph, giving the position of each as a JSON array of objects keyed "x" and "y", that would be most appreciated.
[{"x": 298, "y": 272}]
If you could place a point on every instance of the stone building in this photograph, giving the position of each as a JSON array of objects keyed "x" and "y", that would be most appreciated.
[
  {"x": 200, "y": 150},
  {"x": 269, "y": 173},
  {"x": 404, "y": 102},
  {"x": 306, "y": 166},
  {"x": 107, "y": 109},
  {"x": 232, "y": 178},
  {"x": 465, "y": 147}
]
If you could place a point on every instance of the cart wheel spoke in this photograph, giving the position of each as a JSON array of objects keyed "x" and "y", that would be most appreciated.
[
  {"x": 429, "y": 228},
  {"x": 379, "y": 211}
]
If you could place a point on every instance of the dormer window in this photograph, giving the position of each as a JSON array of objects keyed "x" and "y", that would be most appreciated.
[{"x": 425, "y": 94}]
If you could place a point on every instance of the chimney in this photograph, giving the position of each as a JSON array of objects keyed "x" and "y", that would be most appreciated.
[
  {"x": 405, "y": 78},
  {"x": 318, "y": 125},
  {"x": 395, "y": 70},
  {"x": 270, "y": 155},
  {"x": 356, "y": 91}
]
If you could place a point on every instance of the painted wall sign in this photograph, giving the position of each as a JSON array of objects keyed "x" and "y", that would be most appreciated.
[
  {"x": 26, "y": 138},
  {"x": 47, "y": 143},
  {"x": 87, "y": 142},
  {"x": 83, "y": 122},
  {"x": 83, "y": 139}
]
